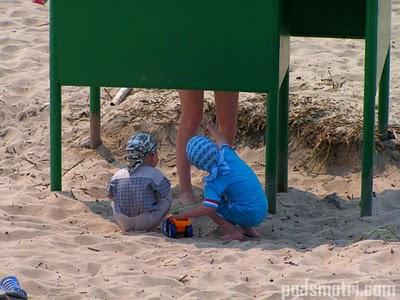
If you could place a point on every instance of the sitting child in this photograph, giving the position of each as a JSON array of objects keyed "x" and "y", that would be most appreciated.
[
  {"x": 140, "y": 193},
  {"x": 233, "y": 196}
]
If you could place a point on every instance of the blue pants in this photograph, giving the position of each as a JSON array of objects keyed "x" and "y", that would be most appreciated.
[{"x": 243, "y": 216}]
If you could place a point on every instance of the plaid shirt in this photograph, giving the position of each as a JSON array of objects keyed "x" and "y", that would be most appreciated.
[{"x": 139, "y": 192}]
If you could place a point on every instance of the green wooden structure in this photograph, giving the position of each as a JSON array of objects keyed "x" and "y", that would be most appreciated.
[{"x": 229, "y": 45}]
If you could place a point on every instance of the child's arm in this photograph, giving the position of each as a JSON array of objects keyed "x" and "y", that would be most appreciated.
[
  {"x": 195, "y": 212},
  {"x": 212, "y": 197},
  {"x": 162, "y": 189},
  {"x": 216, "y": 135}
]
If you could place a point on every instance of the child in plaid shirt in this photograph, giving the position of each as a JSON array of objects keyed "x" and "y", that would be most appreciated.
[{"x": 140, "y": 193}]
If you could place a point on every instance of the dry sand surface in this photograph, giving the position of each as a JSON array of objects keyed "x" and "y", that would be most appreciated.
[{"x": 65, "y": 245}]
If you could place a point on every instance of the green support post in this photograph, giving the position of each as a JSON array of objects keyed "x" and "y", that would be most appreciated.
[
  {"x": 383, "y": 115},
  {"x": 55, "y": 117},
  {"x": 271, "y": 153},
  {"x": 95, "y": 125},
  {"x": 277, "y": 106},
  {"x": 55, "y": 137},
  {"x": 283, "y": 132},
  {"x": 369, "y": 108}
]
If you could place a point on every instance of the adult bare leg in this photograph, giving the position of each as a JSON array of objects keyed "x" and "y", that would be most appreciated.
[
  {"x": 227, "y": 112},
  {"x": 191, "y": 116}
]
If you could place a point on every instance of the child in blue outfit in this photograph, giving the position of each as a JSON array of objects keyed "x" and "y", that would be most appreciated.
[{"x": 233, "y": 197}]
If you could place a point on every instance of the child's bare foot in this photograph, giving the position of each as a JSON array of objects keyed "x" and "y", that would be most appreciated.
[
  {"x": 250, "y": 232},
  {"x": 233, "y": 236}
]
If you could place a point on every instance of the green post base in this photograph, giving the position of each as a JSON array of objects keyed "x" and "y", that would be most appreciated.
[
  {"x": 95, "y": 126},
  {"x": 271, "y": 150},
  {"x": 283, "y": 132}
]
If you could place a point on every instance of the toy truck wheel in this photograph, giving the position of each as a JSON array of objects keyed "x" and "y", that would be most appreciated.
[
  {"x": 165, "y": 227},
  {"x": 172, "y": 231},
  {"x": 189, "y": 231}
]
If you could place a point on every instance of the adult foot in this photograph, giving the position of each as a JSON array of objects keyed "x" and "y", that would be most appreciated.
[{"x": 188, "y": 198}]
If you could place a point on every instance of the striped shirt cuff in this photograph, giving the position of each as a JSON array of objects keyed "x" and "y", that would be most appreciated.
[{"x": 211, "y": 203}]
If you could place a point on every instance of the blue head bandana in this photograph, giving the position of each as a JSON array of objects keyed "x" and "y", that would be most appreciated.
[{"x": 204, "y": 154}]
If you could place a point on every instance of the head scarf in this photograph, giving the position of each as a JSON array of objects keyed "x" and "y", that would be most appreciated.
[
  {"x": 139, "y": 146},
  {"x": 205, "y": 155}
]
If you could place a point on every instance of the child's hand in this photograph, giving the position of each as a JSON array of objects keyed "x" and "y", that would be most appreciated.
[
  {"x": 179, "y": 216},
  {"x": 211, "y": 129},
  {"x": 169, "y": 216},
  {"x": 215, "y": 134}
]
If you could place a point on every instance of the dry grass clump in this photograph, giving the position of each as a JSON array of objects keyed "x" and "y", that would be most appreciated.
[
  {"x": 320, "y": 129},
  {"x": 321, "y": 126},
  {"x": 324, "y": 127}
]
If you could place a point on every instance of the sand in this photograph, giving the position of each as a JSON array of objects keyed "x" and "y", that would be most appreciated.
[{"x": 64, "y": 245}]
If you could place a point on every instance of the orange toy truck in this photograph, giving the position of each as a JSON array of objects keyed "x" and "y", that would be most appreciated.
[{"x": 175, "y": 228}]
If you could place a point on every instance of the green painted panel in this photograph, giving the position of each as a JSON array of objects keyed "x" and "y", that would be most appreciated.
[
  {"x": 221, "y": 45},
  {"x": 284, "y": 42},
  {"x": 383, "y": 35},
  {"x": 320, "y": 18}
]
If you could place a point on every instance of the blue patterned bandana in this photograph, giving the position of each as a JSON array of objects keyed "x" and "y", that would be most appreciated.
[
  {"x": 139, "y": 146},
  {"x": 204, "y": 154}
]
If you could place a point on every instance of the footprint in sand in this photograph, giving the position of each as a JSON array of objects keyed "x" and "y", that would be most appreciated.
[
  {"x": 32, "y": 22},
  {"x": 93, "y": 268},
  {"x": 6, "y": 41},
  {"x": 39, "y": 41},
  {"x": 85, "y": 240},
  {"x": 10, "y": 50},
  {"x": 5, "y": 72},
  {"x": 6, "y": 24},
  {"x": 18, "y": 13}
]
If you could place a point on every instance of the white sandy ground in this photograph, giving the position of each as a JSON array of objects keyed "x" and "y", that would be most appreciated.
[{"x": 65, "y": 246}]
